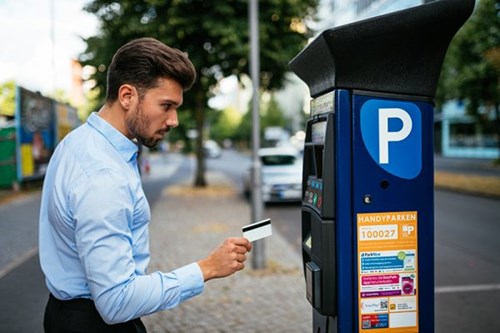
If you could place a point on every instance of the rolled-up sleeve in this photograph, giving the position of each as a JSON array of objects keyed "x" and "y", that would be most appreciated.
[{"x": 103, "y": 207}]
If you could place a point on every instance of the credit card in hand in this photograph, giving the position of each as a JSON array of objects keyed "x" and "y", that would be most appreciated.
[{"x": 257, "y": 230}]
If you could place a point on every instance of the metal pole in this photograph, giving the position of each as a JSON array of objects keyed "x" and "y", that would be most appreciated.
[{"x": 258, "y": 258}]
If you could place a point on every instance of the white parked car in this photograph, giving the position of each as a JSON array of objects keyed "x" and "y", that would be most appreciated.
[
  {"x": 211, "y": 149},
  {"x": 281, "y": 175}
]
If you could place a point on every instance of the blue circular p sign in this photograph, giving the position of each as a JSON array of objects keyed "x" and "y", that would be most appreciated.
[{"x": 392, "y": 134}]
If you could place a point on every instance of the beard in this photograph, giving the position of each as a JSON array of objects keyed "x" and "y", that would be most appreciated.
[{"x": 138, "y": 125}]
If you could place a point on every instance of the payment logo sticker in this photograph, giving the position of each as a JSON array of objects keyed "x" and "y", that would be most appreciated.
[{"x": 392, "y": 134}]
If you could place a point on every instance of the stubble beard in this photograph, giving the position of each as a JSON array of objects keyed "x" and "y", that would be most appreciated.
[{"x": 137, "y": 125}]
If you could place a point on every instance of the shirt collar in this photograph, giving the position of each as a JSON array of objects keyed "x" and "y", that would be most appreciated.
[{"x": 120, "y": 142}]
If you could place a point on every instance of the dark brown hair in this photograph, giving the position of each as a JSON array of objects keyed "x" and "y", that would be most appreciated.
[{"x": 142, "y": 62}]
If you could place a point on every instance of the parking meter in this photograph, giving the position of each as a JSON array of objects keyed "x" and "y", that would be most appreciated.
[{"x": 367, "y": 209}]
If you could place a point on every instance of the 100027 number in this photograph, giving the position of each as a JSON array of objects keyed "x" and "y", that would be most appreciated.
[{"x": 379, "y": 232}]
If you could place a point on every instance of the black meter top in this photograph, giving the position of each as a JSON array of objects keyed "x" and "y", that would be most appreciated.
[{"x": 386, "y": 53}]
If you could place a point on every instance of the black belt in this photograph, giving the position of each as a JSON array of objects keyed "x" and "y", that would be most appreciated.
[
  {"x": 88, "y": 306},
  {"x": 82, "y": 304}
]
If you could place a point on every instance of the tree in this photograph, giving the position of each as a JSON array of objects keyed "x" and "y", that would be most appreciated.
[
  {"x": 213, "y": 33},
  {"x": 225, "y": 124},
  {"x": 471, "y": 71},
  {"x": 273, "y": 115},
  {"x": 244, "y": 132}
]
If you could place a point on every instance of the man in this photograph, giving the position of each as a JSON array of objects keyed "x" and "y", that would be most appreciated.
[{"x": 94, "y": 244}]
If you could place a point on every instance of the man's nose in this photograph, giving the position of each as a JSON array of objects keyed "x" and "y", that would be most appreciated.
[{"x": 172, "y": 120}]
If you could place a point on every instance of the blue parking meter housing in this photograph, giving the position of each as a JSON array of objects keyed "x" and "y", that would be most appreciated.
[{"x": 368, "y": 203}]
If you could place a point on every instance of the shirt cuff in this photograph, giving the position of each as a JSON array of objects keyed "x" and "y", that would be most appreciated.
[{"x": 191, "y": 281}]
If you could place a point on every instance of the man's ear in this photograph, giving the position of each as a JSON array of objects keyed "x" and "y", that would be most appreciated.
[{"x": 127, "y": 96}]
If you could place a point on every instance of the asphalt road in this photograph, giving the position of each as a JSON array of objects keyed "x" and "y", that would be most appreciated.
[{"x": 466, "y": 229}]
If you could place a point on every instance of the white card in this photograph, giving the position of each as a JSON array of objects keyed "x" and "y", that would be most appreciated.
[{"x": 257, "y": 230}]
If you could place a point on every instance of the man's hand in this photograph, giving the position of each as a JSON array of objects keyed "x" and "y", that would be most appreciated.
[{"x": 226, "y": 259}]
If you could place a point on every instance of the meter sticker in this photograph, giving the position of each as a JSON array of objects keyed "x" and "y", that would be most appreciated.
[
  {"x": 387, "y": 261},
  {"x": 378, "y": 232},
  {"x": 380, "y": 285},
  {"x": 323, "y": 104},
  {"x": 374, "y": 305},
  {"x": 388, "y": 285},
  {"x": 387, "y": 271},
  {"x": 374, "y": 321},
  {"x": 401, "y": 304}
]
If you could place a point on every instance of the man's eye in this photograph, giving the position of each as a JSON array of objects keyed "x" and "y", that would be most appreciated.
[{"x": 167, "y": 107}]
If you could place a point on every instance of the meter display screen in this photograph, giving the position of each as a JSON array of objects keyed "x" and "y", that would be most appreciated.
[{"x": 318, "y": 132}]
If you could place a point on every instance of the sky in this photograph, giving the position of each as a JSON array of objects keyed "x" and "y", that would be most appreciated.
[{"x": 26, "y": 48}]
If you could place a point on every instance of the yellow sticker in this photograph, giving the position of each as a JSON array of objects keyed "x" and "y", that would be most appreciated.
[{"x": 387, "y": 272}]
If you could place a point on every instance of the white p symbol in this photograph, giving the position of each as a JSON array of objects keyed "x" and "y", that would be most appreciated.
[
  {"x": 384, "y": 136},
  {"x": 408, "y": 229}
]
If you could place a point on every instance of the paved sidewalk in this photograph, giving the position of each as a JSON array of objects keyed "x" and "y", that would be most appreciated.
[
  {"x": 473, "y": 176},
  {"x": 187, "y": 224},
  {"x": 469, "y": 166}
]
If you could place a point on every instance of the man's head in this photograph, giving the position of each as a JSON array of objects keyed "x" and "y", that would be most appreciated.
[
  {"x": 146, "y": 81},
  {"x": 142, "y": 62}
]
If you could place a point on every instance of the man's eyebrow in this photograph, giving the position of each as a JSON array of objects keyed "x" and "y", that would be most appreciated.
[{"x": 170, "y": 101}]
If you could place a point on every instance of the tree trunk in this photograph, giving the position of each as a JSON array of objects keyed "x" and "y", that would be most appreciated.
[{"x": 199, "y": 116}]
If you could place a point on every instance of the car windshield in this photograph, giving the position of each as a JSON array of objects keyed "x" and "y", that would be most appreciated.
[{"x": 278, "y": 160}]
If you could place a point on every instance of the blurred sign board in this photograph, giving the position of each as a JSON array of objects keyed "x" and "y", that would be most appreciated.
[
  {"x": 41, "y": 123},
  {"x": 66, "y": 120}
]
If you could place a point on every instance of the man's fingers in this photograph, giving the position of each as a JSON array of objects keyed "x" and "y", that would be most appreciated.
[
  {"x": 249, "y": 246},
  {"x": 241, "y": 242},
  {"x": 241, "y": 250}
]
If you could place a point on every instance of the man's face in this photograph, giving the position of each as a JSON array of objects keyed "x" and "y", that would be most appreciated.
[{"x": 155, "y": 113}]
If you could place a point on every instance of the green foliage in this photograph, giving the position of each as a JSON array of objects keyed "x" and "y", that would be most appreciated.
[
  {"x": 214, "y": 33},
  {"x": 244, "y": 132},
  {"x": 225, "y": 125},
  {"x": 8, "y": 98},
  {"x": 273, "y": 115},
  {"x": 186, "y": 123},
  {"x": 93, "y": 105},
  {"x": 471, "y": 71},
  {"x": 60, "y": 95}
]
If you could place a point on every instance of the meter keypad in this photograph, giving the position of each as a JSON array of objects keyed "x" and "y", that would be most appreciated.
[{"x": 314, "y": 192}]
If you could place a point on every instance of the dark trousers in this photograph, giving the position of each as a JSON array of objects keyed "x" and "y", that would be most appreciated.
[{"x": 81, "y": 316}]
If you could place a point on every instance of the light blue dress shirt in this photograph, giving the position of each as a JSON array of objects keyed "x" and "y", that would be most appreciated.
[{"x": 94, "y": 240}]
